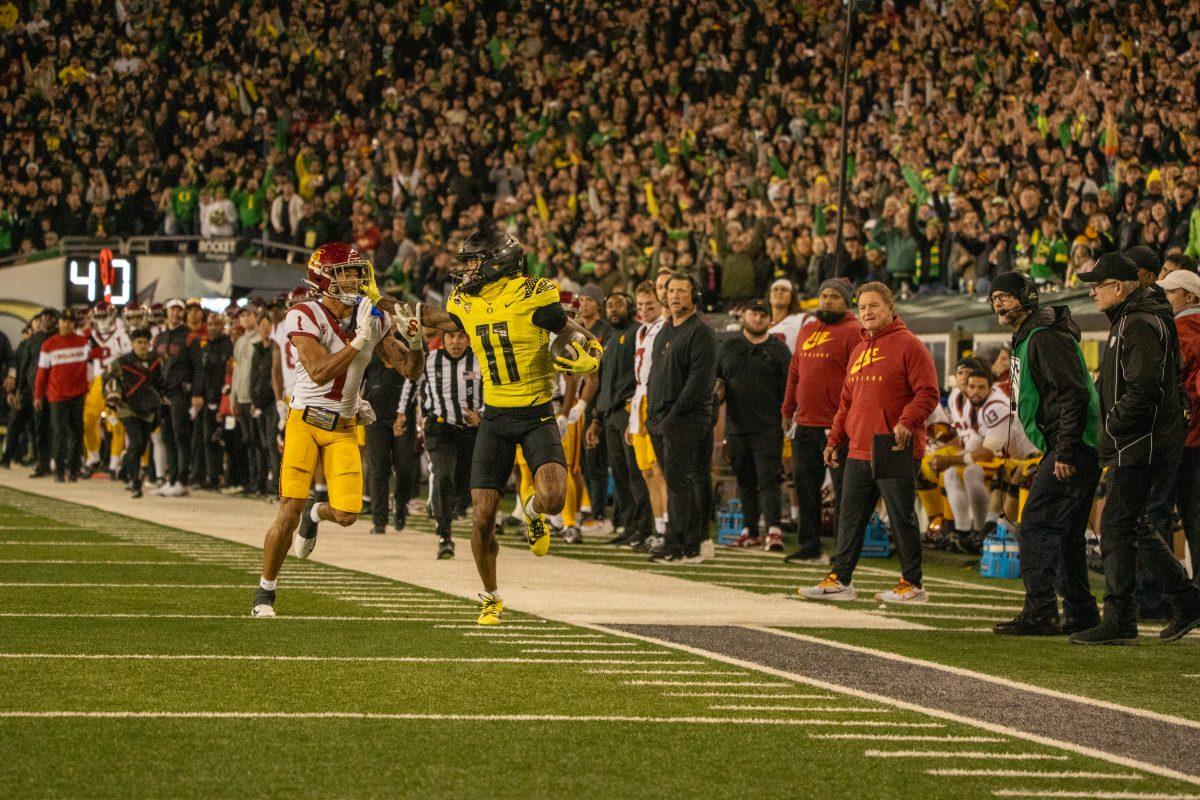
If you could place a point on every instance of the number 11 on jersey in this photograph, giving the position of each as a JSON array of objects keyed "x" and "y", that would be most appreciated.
[{"x": 484, "y": 332}]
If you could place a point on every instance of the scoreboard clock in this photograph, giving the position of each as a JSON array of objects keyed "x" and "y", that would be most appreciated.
[{"x": 90, "y": 280}]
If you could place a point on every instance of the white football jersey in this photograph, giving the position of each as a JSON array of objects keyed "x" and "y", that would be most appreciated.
[
  {"x": 998, "y": 430},
  {"x": 958, "y": 407},
  {"x": 642, "y": 361},
  {"x": 287, "y": 357},
  {"x": 788, "y": 328},
  {"x": 313, "y": 319},
  {"x": 107, "y": 348}
]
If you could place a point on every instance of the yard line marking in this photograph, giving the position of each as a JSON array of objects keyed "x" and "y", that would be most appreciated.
[
  {"x": 385, "y": 716},
  {"x": 441, "y": 618},
  {"x": 320, "y": 617},
  {"x": 1021, "y": 773},
  {"x": 838, "y": 709},
  {"x": 364, "y": 659},
  {"x": 94, "y": 585},
  {"x": 766, "y": 696},
  {"x": 705, "y": 683},
  {"x": 963, "y": 754},
  {"x": 905, "y": 737},
  {"x": 508, "y": 626},
  {"x": 571, "y": 642},
  {"x": 501, "y": 634},
  {"x": 41, "y": 528},
  {"x": 664, "y": 672},
  {"x": 62, "y": 543},
  {"x": 100, "y": 563},
  {"x": 1191, "y": 674},
  {"x": 898, "y": 610},
  {"x": 795, "y": 677},
  {"x": 594, "y": 652},
  {"x": 417, "y": 607},
  {"x": 1099, "y": 795}
]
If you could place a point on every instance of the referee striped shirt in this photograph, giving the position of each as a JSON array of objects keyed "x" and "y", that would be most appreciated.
[{"x": 448, "y": 388}]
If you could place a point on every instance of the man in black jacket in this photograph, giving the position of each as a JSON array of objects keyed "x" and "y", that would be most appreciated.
[
  {"x": 171, "y": 348},
  {"x": 26, "y": 374},
  {"x": 389, "y": 451},
  {"x": 610, "y": 419},
  {"x": 752, "y": 374},
  {"x": 132, "y": 387},
  {"x": 1058, "y": 409},
  {"x": 212, "y": 355},
  {"x": 681, "y": 412},
  {"x": 1141, "y": 441}
]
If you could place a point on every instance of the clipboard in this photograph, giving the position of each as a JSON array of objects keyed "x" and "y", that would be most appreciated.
[{"x": 887, "y": 461}]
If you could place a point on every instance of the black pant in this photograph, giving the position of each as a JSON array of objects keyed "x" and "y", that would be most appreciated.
[
  {"x": 757, "y": 460},
  {"x": 808, "y": 475},
  {"x": 449, "y": 449},
  {"x": 206, "y": 447},
  {"x": 20, "y": 430},
  {"x": 256, "y": 456},
  {"x": 388, "y": 453},
  {"x": 595, "y": 476},
  {"x": 1187, "y": 497},
  {"x": 1053, "y": 553},
  {"x": 177, "y": 437},
  {"x": 137, "y": 440},
  {"x": 66, "y": 425},
  {"x": 860, "y": 493},
  {"x": 687, "y": 466},
  {"x": 1140, "y": 499},
  {"x": 631, "y": 506},
  {"x": 266, "y": 428},
  {"x": 42, "y": 441}
]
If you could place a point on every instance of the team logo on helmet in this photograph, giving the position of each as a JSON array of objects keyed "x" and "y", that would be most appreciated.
[
  {"x": 337, "y": 270},
  {"x": 486, "y": 255}
]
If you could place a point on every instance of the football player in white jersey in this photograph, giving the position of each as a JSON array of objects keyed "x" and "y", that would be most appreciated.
[
  {"x": 786, "y": 317},
  {"x": 109, "y": 341},
  {"x": 650, "y": 313},
  {"x": 334, "y": 337}
]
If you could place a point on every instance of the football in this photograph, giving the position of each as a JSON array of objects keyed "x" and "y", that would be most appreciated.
[{"x": 560, "y": 346}]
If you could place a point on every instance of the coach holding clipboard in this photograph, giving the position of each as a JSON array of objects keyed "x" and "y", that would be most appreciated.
[{"x": 890, "y": 390}]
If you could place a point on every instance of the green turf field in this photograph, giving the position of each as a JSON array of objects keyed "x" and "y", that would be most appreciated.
[{"x": 131, "y": 668}]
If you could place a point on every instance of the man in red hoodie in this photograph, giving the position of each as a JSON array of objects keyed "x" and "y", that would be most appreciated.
[
  {"x": 890, "y": 388},
  {"x": 62, "y": 379},
  {"x": 1183, "y": 293},
  {"x": 817, "y": 371}
]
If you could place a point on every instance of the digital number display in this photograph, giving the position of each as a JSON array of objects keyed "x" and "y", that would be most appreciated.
[{"x": 86, "y": 282}]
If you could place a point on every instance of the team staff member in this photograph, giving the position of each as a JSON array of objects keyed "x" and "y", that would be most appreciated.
[
  {"x": 212, "y": 363},
  {"x": 681, "y": 410},
  {"x": 335, "y": 337},
  {"x": 891, "y": 387},
  {"x": 595, "y": 459},
  {"x": 389, "y": 450},
  {"x": 650, "y": 313},
  {"x": 1182, "y": 288},
  {"x": 814, "y": 385},
  {"x": 62, "y": 381},
  {"x": 171, "y": 347},
  {"x": 451, "y": 394},
  {"x": 1141, "y": 442},
  {"x": 1057, "y": 406},
  {"x": 131, "y": 387},
  {"x": 610, "y": 420},
  {"x": 46, "y": 324},
  {"x": 242, "y": 401},
  {"x": 22, "y": 431},
  {"x": 751, "y": 379}
]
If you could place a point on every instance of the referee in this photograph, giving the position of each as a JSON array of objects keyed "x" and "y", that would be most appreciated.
[{"x": 451, "y": 394}]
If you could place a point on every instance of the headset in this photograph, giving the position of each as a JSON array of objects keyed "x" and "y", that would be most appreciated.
[
  {"x": 696, "y": 293},
  {"x": 1028, "y": 293}
]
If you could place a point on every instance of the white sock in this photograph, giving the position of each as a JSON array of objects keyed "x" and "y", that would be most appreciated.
[
  {"x": 114, "y": 463},
  {"x": 555, "y": 520},
  {"x": 660, "y": 524},
  {"x": 495, "y": 593},
  {"x": 528, "y": 507},
  {"x": 795, "y": 512},
  {"x": 266, "y": 584},
  {"x": 320, "y": 487},
  {"x": 93, "y": 458},
  {"x": 993, "y": 516},
  {"x": 313, "y": 514}
]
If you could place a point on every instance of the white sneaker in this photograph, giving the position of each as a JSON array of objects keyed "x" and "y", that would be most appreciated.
[
  {"x": 176, "y": 490},
  {"x": 903, "y": 592},
  {"x": 829, "y": 589},
  {"x": 708, "y": 548},
  {"x": 162, "y": 491},
  {"x": 263, "y": 610}
]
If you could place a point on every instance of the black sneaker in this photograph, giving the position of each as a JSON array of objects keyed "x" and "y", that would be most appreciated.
[
  {"x": 59, "y": 478},
  {"x": 624, "y": 538},
  {"x": 445, "y": 549},
  {"x": 39, "y": 473},
  {"x": 968, "y": 543},
  {"x": 1185, "y": 621},
  {"x": 808, "y": 555},
  {"x": 264, "y": 603},
  {"x": 378, "y": 529},
  {"x": 400, "y": 519},
  {"x": 667, "y": 555},
  {"x": 1105, "y": 633},
  {"x": 1079, "y": 624},
  {"x": 136, "y": 492},
  {"x": 1030, "y": 625}
]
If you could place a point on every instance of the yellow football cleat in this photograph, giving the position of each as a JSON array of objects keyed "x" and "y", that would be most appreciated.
[
  {"x": 537, "y": 533},
  {"x": 491, "y": 610}
]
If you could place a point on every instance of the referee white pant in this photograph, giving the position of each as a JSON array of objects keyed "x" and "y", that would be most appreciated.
[{"x": 967, "y": 493}]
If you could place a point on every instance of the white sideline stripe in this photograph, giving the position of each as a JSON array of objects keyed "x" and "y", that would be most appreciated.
[
  {"x": 583, "y": 651},
  {"x": 382, "y": 716},
  {"x": 937, "y": 713},
  {"x": 36, "y": 543},
  {"x": 1021, "y": 773},
  {"x": 502, "y": 634},
  {"x": 338, "y": 618},
  {"x": 41, "y": 528},
  {"x": 837, "y": 709},
  {"x": 1028, "y": 687},
  {"x": 906, "y": 737},
  {"x": 768, "y": 696},
  {"x": 1191, "y": 674},
  {"x": 417, "y": 607},
  {"x": 561, "y": 642},
  {"x": 704, "y": 683},
  {"x": 353, "y": 659},
  {"x": 1099, "y": 795},
  {"x": 508, "y": 626},
  {"x": 983, "y": 754},
  {"x": 100, "y": 563},
  {"x": 93, "y": 585},
  {"x": 671, "y": 672},
  {"x": 441, "y": 618},
  {"x": 969, "y": 606},
  {"x": 897, "y": 610}
]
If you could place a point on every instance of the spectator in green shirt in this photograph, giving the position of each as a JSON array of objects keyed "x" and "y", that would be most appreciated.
[
  {"x": 185, "y": 208},
  {"x": 1051, "y": 253}
]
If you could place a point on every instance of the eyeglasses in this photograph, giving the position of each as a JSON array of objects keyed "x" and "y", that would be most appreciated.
[{"x": 1101, "y": 285}]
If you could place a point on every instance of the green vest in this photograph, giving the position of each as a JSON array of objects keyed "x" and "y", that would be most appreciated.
[{"x": 1027, "y": 400}]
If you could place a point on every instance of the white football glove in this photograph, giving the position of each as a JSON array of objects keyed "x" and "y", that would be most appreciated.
[
  {"x": 407, "y": 325},
  {"x": 368, "y": 332},
  {"x": 577, "y": 411}
]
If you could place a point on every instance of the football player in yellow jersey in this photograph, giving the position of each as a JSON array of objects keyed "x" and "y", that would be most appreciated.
[{"x": 509, "y": 318}]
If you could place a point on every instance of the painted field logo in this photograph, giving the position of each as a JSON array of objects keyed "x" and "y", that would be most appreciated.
[
  {"x": 816, "y": 340},
  {"x": 865, "y": 359}
]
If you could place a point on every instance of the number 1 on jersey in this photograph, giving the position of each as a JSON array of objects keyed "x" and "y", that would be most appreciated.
[{"x": 489, "y": 351}]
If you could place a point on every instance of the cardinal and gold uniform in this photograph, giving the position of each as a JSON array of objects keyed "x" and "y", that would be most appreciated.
[{"x": 509, "y": 324}]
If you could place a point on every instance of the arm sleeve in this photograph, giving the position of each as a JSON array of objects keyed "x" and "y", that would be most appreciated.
[
  {"x": 1060, "y": 382},
  {"x": 550, "y": 317}
]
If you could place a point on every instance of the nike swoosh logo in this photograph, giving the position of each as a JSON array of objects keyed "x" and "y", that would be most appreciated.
[{"x": 546, "y": 419}]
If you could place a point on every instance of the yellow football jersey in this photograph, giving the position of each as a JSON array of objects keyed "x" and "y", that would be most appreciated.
[{"x": 517, "y": 368}]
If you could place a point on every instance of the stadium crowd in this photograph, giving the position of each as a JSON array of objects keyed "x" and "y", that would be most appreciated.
[{"x": 616, "y": 138}]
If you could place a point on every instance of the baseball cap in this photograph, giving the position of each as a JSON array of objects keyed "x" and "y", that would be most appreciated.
[
  {"x": 174, "y": 302},
  {"x": 1111, "y": 267},
  {"x": 1181, "y": 279},
  {"x": 758, "y": 305},
  {"x": 1144, "y": 258}
]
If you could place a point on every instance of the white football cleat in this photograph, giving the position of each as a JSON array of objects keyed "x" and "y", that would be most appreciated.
[{"x": 305, "y": 538}]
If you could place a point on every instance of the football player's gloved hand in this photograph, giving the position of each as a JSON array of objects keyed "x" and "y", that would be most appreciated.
[
  {"x": 407, "y": 325},
  {"x": 585, "y": 361},
  {"x": 367, "y": 330}
]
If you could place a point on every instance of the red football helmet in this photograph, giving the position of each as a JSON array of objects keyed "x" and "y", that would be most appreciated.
[
  {"x": 134, "y": 314},
  {"x": 570, "y": 303},
  {"x": 337, "y": 270},
  {"x": 297, "y": 295},
  {"x": 156, "y": 315},
  {"x": 103, "y": 317}
]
